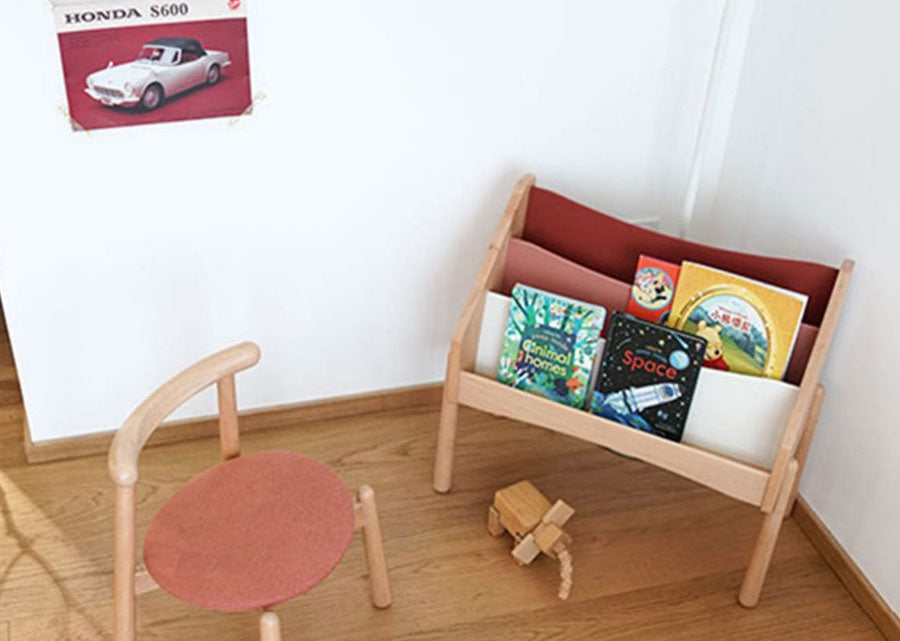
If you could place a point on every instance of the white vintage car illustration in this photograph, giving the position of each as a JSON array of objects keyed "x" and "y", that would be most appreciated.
[{"x": 166, "y": 67}]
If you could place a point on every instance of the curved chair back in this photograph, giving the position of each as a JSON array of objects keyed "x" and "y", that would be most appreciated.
[
  {"x": 126, "y": 447},
  {"x": 218, "y": 368}
]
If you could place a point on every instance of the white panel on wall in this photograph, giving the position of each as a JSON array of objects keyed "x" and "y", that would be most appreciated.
[
  {"x": 341, "y": 225},
  {"x": 811, "y": 172}
]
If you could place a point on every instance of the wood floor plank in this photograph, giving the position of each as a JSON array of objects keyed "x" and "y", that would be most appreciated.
[
  {"x": 676, "y": 611},
  {"x": 656, "y": 556}
]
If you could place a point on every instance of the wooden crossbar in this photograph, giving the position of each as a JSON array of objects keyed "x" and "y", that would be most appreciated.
[{"x": 728, "y": 476}]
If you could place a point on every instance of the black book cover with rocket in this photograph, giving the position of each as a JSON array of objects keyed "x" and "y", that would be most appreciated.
[{"x": 647, "y": 376}]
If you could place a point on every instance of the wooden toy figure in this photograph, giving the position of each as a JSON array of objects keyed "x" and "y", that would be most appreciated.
[{"x": 536, "y": 526}]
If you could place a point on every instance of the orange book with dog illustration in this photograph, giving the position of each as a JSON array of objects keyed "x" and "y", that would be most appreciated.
[{"x": 653, "y": 289}]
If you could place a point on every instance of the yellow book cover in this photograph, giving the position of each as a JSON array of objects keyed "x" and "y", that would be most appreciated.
[{"x": 750, "y": 327}]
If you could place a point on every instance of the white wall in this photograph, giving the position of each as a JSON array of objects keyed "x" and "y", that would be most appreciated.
[
  {"x": 342, "y": 224},
  {"x": 811, "y": 171}
]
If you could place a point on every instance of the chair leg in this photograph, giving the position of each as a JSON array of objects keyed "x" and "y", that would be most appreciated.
[
  {"x": 269, "y": 627},
  {"x": 124, "y": 598},
  {"x": 367, "y": 520},
  {"x": 446, "y": 445},
  {"x": 805, "y": 443},
  {"x": 765, "y": 543}
]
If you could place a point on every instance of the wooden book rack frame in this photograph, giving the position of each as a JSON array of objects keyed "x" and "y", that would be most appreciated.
[{"x": 772, "y": 490}]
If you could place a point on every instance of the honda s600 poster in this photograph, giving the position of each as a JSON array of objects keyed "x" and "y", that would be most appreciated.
[{"x": 133, "y": 63}]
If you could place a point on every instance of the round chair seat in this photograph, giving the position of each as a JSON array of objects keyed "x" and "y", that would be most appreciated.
[{"x": 251, "y": 532}]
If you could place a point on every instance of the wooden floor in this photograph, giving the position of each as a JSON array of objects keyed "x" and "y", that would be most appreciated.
[{"x": 656, "y": 557}]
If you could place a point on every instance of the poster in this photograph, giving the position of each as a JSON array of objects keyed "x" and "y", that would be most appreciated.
[{"x": 141, "y": 62}]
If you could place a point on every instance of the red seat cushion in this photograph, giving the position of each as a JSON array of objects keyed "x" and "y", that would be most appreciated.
[{"x": 251, "y": 532}]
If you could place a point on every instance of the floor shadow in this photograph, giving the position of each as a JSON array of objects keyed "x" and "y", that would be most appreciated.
[
  {"x": 11, "y": 436},
  {"x": 27, "y": 550}
]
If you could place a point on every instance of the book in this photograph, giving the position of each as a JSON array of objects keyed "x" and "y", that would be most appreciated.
[
  {"x": 653, "y": 289},
  {"x": 550, "y": 345},
  {"x": 647, "y": 376},
  {"x": 750, "y": 327}
]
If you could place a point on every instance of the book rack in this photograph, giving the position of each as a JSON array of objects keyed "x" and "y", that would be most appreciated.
[{"x": 773, "y": 490}]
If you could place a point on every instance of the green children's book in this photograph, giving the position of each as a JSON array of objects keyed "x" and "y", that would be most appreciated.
[{"x": 550, "y": 345}]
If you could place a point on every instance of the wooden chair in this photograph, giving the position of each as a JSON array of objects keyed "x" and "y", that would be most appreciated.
[
  {"x": 537, "y": 222},
  {"x": 248, "y": 533}
]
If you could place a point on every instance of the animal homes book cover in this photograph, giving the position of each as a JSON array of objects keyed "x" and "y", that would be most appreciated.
[{"x": 550, "y": 345}]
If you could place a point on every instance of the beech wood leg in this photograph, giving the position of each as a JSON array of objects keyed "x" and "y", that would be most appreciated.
[
  {"x": 446, "y": 445},
  {"x": 269, "y": 627},
  {"x": 367, "y": 520},
  {"x": 765, "y": 544},
  {"x": 124, "y": 565},
  {"x": 805, "y": 443}
]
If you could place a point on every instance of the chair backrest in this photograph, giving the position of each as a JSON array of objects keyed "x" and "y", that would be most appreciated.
[
  {"x": 611, "y": 246},
  {"x": 126, "y": 447},
  {"x": 218, "y": 368}
]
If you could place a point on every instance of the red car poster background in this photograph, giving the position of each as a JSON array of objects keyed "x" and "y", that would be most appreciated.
[{"x": 145, "y": 62}]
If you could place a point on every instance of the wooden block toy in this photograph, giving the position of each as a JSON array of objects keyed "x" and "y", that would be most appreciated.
[
  {"x": 548, "y": 536},
  {"x": 494, "y": 526},
  {"x": 521, "y": 507},
  {"x": 526, "y": 551},
  {"x": 536, "y": 525},
  {"x": 559, "y": 514}
]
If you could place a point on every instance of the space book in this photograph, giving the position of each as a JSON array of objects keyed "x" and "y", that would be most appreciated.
[{"x": 647, "y": 376}]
